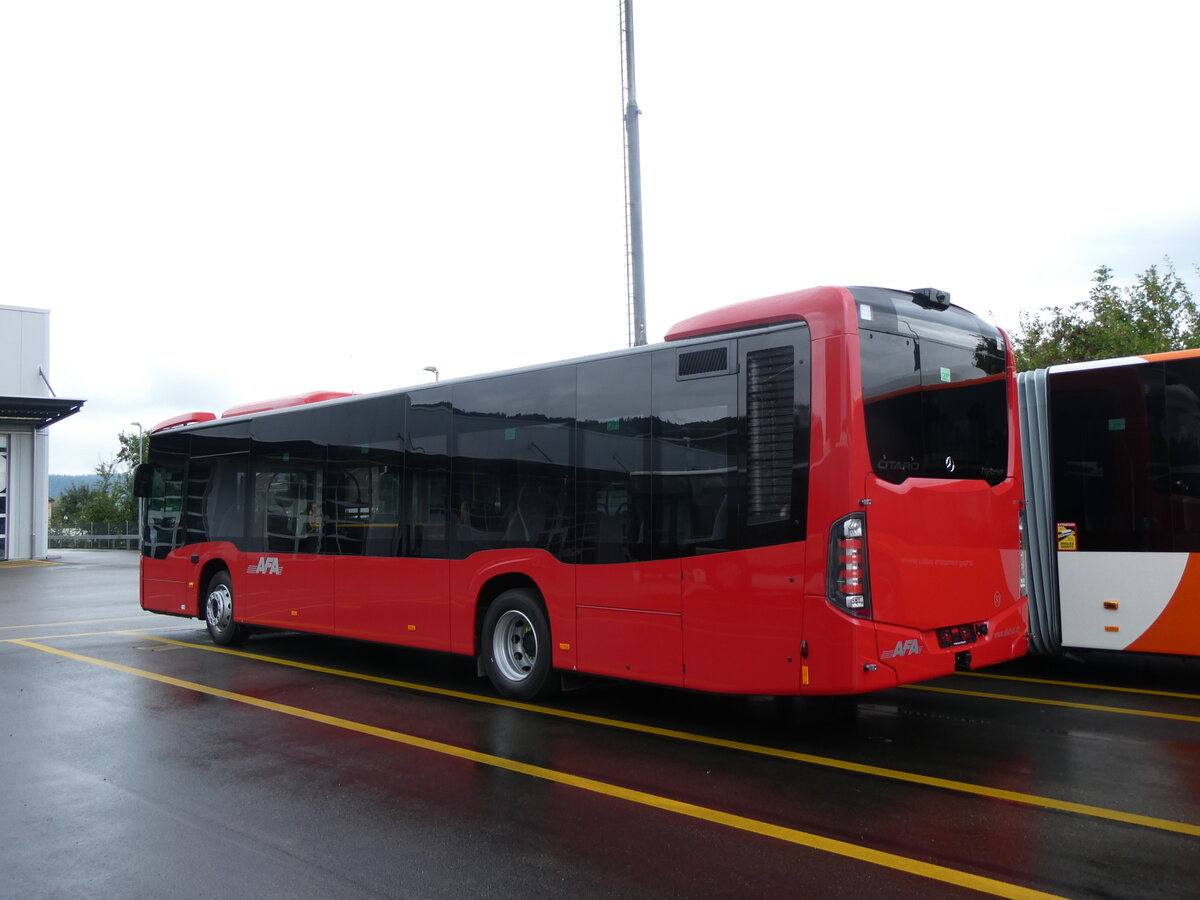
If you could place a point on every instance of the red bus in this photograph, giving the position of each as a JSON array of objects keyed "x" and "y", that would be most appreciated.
[
  {"x": 1112, "y": 466},
  {"x": 817, "y": 492}
]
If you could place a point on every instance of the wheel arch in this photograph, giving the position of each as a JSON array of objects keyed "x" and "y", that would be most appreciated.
[
  {"x": 207, "y": 571},
  {"x": 489, "y": 591}
]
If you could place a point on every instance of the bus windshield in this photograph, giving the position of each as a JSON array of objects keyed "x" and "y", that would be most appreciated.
[{"x": 934, "y": 394}]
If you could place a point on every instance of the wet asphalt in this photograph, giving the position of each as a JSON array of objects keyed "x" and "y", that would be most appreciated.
[{"x": 139, "y": 761}]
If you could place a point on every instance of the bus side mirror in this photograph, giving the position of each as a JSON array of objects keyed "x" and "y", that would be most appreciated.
[{"x": 143, "y": 480}]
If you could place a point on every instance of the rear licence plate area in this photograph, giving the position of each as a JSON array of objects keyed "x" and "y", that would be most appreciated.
[{"x": 956, "y": 635}]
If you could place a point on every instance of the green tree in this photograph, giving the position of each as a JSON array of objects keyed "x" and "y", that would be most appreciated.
[
  {"x": 1155, "y": 314},
  {"x": 111, "y": 500},
  {"x": 70, "y": 505},
  {"x": 131, "y": 453}
]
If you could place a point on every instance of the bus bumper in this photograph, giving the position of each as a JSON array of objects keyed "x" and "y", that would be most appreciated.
[{"x": 847, "y": 655}]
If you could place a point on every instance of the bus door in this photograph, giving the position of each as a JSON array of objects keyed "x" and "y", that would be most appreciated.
[
  {"x": 165, "y": 572},
  {"x": 287, "y": 582},
  {"x": 391, "y": 586}
]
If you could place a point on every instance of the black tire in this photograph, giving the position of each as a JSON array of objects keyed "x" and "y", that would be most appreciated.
[
  {"x": 516, "y": 648},
  {"x": 218, "y": 612}
]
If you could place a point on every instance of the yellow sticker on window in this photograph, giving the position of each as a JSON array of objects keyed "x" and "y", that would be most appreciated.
[{"x": 1067, "y": 536}]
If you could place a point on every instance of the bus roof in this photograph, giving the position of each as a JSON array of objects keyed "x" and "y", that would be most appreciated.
[
  {"x": 826, "y": 309},
  {"x": 257, "y": 406},
  {"x": 245, "y": 409},
  {"x": 1125, "y": 360},
  {"x": 791, "y": 307}
]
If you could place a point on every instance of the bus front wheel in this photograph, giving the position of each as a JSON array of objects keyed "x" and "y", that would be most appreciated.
[
  {"x": 218, "y": 612},
  {"x": 516, "y": 646}
]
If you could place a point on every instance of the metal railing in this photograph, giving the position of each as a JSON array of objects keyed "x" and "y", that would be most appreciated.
[{"x": 95, "y": 536}]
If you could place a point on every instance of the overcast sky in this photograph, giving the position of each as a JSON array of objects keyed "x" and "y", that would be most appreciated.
[{"x": 221, "y": 202}]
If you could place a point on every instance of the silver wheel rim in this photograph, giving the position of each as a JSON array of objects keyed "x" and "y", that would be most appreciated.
[
  {"x": 514, "y": 646},
  {"x": 219, "y": 608}
]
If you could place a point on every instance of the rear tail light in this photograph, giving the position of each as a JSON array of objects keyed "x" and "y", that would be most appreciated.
[{"x": 848, "y": 584}]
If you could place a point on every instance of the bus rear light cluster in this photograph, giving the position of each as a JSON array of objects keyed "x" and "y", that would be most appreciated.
[{"x": 848, "y": 586}]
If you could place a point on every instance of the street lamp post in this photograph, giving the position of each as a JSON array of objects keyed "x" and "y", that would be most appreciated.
[
  {"x": 434, "y": 370},
  {"x": 141, "y": 456}
]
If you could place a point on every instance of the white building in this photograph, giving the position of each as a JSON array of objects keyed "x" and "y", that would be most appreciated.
[{"x": 27, "y": 408}]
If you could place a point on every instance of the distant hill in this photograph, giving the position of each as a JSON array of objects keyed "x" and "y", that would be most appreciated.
[{"x": 60, "y": 483}]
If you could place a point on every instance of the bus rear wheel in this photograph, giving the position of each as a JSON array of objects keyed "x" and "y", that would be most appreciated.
[
  {"x": 218, "y": 612},
  {"x": 516, "y": 646}
]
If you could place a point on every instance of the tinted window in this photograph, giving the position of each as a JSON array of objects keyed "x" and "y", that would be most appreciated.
[
  {"x": 511, "y": 483},
  {"x": 693, "y": 460},
  {"x": 363, "y": 510},
  {"x": 287, "y": 513},
  {"x": 364, "y": 477},
  {"x": 1180, "y": 435},
  {"x": 614, "y": 510},
  {"x": 654, "y": 454},
  {"x": 934, "y": 409},
  {"x": 216, "y": 495},
  {"x": 427, "y": 463},
  {"x": 1126, "y": 455},
  {"x": 162, "y": 528}
]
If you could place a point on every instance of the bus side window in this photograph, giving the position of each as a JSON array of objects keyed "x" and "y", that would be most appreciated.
[
  {"x": 164, "y": 509},
  {"x": 1181, "y": 435},
  {"x": 223, "y": 490},
  {"x": 287, "y": 507},
  {"x": 427, "y": 519},
  {"x": 362, "y": 501},
  {"x": 694, "y": 453},
  {"x": 512, "y": 481},
  {"x": 1110, "y": 475},
  {"x": 612, "y": 459}
]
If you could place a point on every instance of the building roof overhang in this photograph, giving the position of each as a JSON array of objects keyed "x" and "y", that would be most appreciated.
[{"x": 39, "y": 412}]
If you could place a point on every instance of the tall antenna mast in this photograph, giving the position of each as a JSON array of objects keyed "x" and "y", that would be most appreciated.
[{"x": 635, "y": 266}]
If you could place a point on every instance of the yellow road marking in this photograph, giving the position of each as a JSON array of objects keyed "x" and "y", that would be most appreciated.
[
  {"x": 741, "y": 823},
  {"x": 146, "y": 616},
  {"x": 1082, "y": 809},
  {"x": 78, "y": 634},
  {"x": 1081, "y": 684},
  {"x": 1093, "y": 707},
  {"x": 26, "y": 563}
]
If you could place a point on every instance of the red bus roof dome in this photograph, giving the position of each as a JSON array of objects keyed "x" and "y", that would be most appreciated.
[
  {"x": 791, "y": 307},
  {"x": 258, "y": 406},
  {"x": 190, "y": 418}
]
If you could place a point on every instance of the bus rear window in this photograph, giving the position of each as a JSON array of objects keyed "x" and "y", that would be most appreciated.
[{"x": 934, "y": 410}]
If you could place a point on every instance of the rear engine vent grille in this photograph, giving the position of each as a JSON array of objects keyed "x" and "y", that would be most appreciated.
[
  {"x": 770, "y": 433},
  {"x": 708, "y": 361}
]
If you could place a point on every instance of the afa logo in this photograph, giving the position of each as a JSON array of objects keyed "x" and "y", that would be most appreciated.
[
  {"x": 911, "y": 647},
  {"x": 267, "y": 565}
]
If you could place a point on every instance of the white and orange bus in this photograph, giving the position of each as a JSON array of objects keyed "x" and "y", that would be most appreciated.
[
  {"x": 816, "y": 492},
  {"x": 1112, "y": 466}
]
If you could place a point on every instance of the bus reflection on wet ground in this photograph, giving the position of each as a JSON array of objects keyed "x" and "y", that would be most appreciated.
[{"x": 143, "y": 761}]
